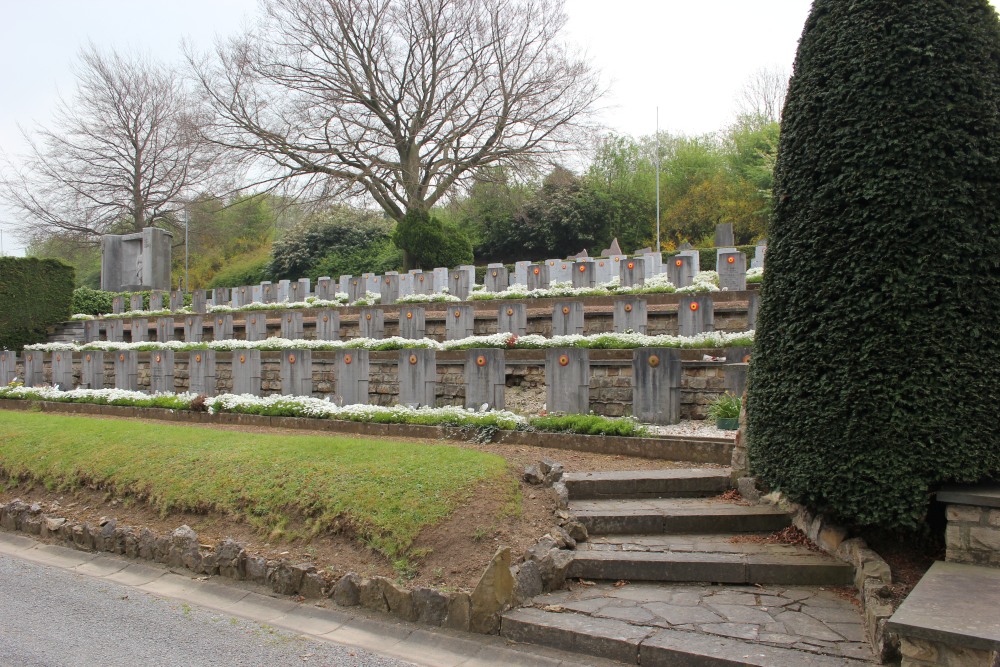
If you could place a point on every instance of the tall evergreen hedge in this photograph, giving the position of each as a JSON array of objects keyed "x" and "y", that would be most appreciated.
[
  {"x": 876, "y": 373},
  {"x": 34, "y": 295}
]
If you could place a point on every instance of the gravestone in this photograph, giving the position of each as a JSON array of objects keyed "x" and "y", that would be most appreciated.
[
  {"x": 199, "y": 301},
  {"x": 8, "y": 367},
  {"x": 412, "y": 322},
  {"x": 201, "y": 372},
  {"x": 736, "y": 378},
  {"x": 161, "y": 371},
  {"x": 114, "y": 330},
  {"x": 135, "y": 302},
  {"x": 460, "y": 282},
  {"x": 389, "y": 288},
  {"x": 485, "y": 378},
  {"x": 91, "y": 331},
  {"x": 156, "y": 300},
  {"x": 423, "y": 282},
  {"x": 615, "y": 249},
  {"x": 61, "y": 363},
  {"x": 176, "y": 300},
  {"x": 296, "y": 372},
  {"x": 92, "y": 370},
  {"x": 298, "y": 290},
  {"x": 371, "y": 282},
  {"x": 351, "y": 368},
  {"x": 653, "y": 264},
  {"x": 605, "y": 269},
  {"x": 139, "y": 330},
  {"x": 632, "y": 272},
  {"x": 695, "y": 260},
  {"x": 584, "y": 275},
  {"x": 656, "y": 385},
  {"x": 460, "y": 322},
  {"x": 680, "y": 270},
  {"x": 560, "y": 271},
  {"x": 221, "y": 296},
  {"x": 496, "y": 279},
  {"x": 324, "y": 288},
  {"x": 567, "y": 318},
  {"x": 33, "y": 368},
  {"x": 512, "y": 318},
  {"x": 440, "y": 280},
  {"x": 759, "y": 251},
  {"x": 417, "y": 373},
  {"x": 136, "y": 262},
  {"x": 731, "y": 266},
  {"x": 222, "y": 326},
  {"x": 724, "y": 235},
  {"x": 193, "y": 327},
  {"x": 695, "y": 315},
  {"x": 126, "y": 370},
  {"x": 371, "y": 323},
  {"x": 630, "y": 315},
  {"x": 405, "y": 284},
  {"x": 255, "y": 326},
  {"x": 164, "y": 329},
  {"x": 328, "y": 324},
  {"x": 738, "y": 354},
  {"x": 538, "y": 276},
  {"x": 342, "y": 283},
  {"x": 284, "y": 293},
  {"x": 268, "y": 292},
  {"x": 118, "y": 304},
  {"x": 246, "y": 372},
  {"x": 567, "y": 380},
  {"x": 291, "y": 325},
  {"x": 521, "y": 272},
  {"x": 753, "y": 305},
  {"x": 355, "y": 288}
]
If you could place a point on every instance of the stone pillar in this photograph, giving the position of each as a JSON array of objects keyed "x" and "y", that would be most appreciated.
[
  {"x": 423, "y": 283},
  {"x": 256, "y": 325},
  {"x": 324, "y": 288},
  {"x": 753, "y": 305},
  {"x": 283, "y": 291},
  {"x": 201, "y": 372},
  {"x": 412, "y": 322},
  {"x": 724, "y": 235},
  {"x": 584, "y": 274},
  {"x": 246, "y": 372},
  {"x": 630, "y": 314},
  {"x": 164, "y": 329},
  {"x": 139, "y": 330},
  {"x": 371, "y": 323},
  {"x": 389, "y": 288},
  {"x": 656, "y": 385},
  {"x": 118, "y": 304},
  {"x": 328, "y": 324},
  {"x": 496, "y": 278},
  {"x": 355, "y": 288},
  {"x": 296, "y": 372},
  {"x": 291, "y": 325},
  {"x": 222, "y": 326},
  {"x": 567, "y": 318},
  {"x": 221, "y": 296},
  {"x": 631, "y": 272},
  {"x": 351, "y": 368},
  {"x": 135, "y": 302},
  {"x": 538, "y": 276},
  {"x": 567, "y": 380},
  {"x": 156, "y": 300},
  {"x": 268, "y": 292},
  {"x": 199, "y": 301},
  {"x": 460, "y": 322},
  {"x": 33, "y": 368},
  {"x": 521, "y": 272},
  {"x": 91, "y": 331},
  {"x": 8, "y": 367},
  {"x": 176, "y": 300},
  {"x": 732, "y": 268},
  {"x": 193, "y": 325},
  {"x": 92, "y": 370},
  {"x": 61, "y": 362},
  {"x": 417, "y": 377},
  {"x": 695, "y": 315},
  {"x": 513, "y": 318},
  {"x": 680, "y": 271},
  {"x": 161, "y": 371},
  {"x": 460, "y": 283},
  {"x": 114, "y": 330},
  {"x": 126, "y": 370},
  {"x": 485, "y": 378}
]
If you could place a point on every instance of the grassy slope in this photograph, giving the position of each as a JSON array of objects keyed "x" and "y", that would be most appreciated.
[{"x": 386, "y": 490}]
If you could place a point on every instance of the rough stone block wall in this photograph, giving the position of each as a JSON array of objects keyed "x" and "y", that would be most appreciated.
[
  {"x": 926, "y": 653},
  {"x": 973, "y": 535}
]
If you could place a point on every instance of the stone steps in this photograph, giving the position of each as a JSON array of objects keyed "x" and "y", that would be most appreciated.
[
  {"x": 67, "y": 332},
  {"x": 686, "y": 482},
  {"x": 676, "y": 515}
]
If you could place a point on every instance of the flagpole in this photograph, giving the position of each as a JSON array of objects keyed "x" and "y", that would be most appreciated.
[{"x": 658, "y": 246}]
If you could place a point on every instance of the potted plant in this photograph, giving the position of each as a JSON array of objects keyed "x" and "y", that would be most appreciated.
[{"x": 725, "y": 410}]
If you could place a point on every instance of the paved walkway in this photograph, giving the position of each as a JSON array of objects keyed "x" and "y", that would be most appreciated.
[{"x": 413, "y": 643}]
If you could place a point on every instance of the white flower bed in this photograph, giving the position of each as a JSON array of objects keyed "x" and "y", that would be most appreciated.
[{"x": 427, "y": 298}]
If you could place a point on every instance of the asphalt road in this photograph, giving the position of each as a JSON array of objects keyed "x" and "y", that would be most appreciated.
[{"x": 53, "y": 618}]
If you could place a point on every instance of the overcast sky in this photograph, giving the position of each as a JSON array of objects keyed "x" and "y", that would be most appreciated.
[{"x": 689, "y": 58}]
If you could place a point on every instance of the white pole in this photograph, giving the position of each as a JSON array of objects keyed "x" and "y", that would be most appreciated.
[{"x": 658, "y": 246}]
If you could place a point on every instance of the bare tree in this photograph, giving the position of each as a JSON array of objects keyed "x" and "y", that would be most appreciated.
[
  {"x": 396, "y": 100},
  {"x": 119, "y": 156},
  {"x": 763, "y": 95}
]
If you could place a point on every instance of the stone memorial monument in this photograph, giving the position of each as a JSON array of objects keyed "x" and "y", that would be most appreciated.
[{"x": 136, "y": 262}]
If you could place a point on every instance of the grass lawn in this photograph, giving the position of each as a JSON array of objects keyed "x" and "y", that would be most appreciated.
[{"x": 385, "y": 491}]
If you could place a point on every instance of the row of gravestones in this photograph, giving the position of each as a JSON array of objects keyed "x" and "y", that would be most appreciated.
[
  {"x": 656, "y": 376},
  {"x": 695, "y": 315},
  {"x": 582, "y": 273}
]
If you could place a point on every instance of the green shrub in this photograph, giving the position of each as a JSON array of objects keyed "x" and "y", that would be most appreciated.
[
  {"x": 249, "y": 269},
  {"x": 589, "y": 425},
  {"x": 726, "y": 406},
  {"x": 34, "y": 295},
  {"x": 92, "y": 301},
  {"x": 340, "y": 230},
  {"x": 379, "y": 256},
  {"x": 873, "y": 380},
  {"x": 429, "y": 243}
]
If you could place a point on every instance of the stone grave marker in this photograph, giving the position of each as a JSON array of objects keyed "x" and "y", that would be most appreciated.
[
  {"x": 291, "y": 325},
  {"x": 221, "y": 296},
  {"x": 91, "y": 331},
  {"x": 412, "y": 322},
  {"x": 118, "y": 304},
  {"x": 284, "y": 291},
  {"x": 268, "y": 292},
  {"x": 496, "y": 279},
  {"x": 92, "y": 369},
  {"x": 695, "y": 259},
  {"x": 135, "y": 302},
  {"x": 161, "y": 371},
  {"x": 176, "y": 300},
  {"x": 371, "y": 323},
  {"x": 753, "y": 305},
  {"x": 736, "y": 378},
  {"x": 114, "y": 330},
  {"x": 193, "y": 327},
  {"x": 632, "y": 272},
  {"x": 222, "y": 326},
  {"x": 256, "y": 294},
  {"x": 389, "y": 288},
  {"x": 656, "y": 385},
  {"x": 423, "y": 282},
  {"x": 164, "y": 329},
  {"x": 371, "y": 282},
  {"x": 201, "y": 372},
  {"x": 440, "y": 280},
  {"x": 61, "y": 362},
  {"x": 139, "y": 330},
  {"x": 355, "y": 288},
  {"x": 343, "y": 282},
  {"x": 8, "y": 367},
  {"x": 126, "y": 370},
  {"x": 460, "y": 283},
  {"x": 199, "y": 301},
  {"x": 724, "y": 235},
  {"x": 653, "y": 262},
  {"x": 521, "y": 272},
  {"x": 512, "y": 318},
  {"x": 351, "y": 368},
  {"x": 324, "y": 288},
  {"x": 560, "y": 270},
  {"x": 156, "y": 300},
  {"x": 630, "y": 315},
  {"x": 680, "y": 271},
  {"x": 256, "y": 326},
  {"x": 584, "y": 274},
  {"x": 485, "y": 378},
  {"x": 405, "y": 284},
  {"x": 33, "y": 369},
  {"x": 567, "y": 380},
  {"x": 759, "y": 251},
  {"x": 328, "y": 324},
  {"x": 606, "y": 268},
  {"x": 296, "y": 372},
  {"x": 567, "y": 318},
  {"x": 732, "y": 268},
  {"x": 246, "y": 372},
  {"x": 299, "y": 290},
  {"x": 538, "y": 276},
  {"x": 460, "y": 322},
  {"x": 417, "y": 373},
  {"x": 695, "y": 315}
]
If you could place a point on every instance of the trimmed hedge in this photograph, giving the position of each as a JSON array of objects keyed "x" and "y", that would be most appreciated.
[
  {"x": 34, "y": 295},
  {"x": 878, "y": 338}
]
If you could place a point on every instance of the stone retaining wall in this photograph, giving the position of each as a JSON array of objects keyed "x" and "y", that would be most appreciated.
[{"x": 973, "y": 535}]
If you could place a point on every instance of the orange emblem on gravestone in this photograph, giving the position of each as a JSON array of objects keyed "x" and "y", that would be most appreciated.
[
  {"x": 197, "y": 358},
  {"x": 409, "y": 315},
  {"x": 494, "y": 274},
  {"x": 694, "y": 306},
  {"x": 157, "y": 358},
  {"x": 628, "y": 307},
  {"x": 58, "y": 357},
  {"x": 326, "y": 318},
  {"x": 458, "y": 313},
  {"x": 536, "y": 271},
  {"x": 654, "y": 360},
  {"x": 291, "y": 358},
  {"x": 631, "y": 265},
  {"x": 510, "y": 311},
  {"x": 565, "y": 310},
  {"x": 347, "y": 359},
  {"x": 731, "y": 259},
  {"x": 480, "y": 360},
  {"x": 413, "y": 359},
  {"x": 583, "y": 267},
  {"x": 563, "y": 360},
  {"x": 679, "y": 262},
  {"x": 121, "y": 357},
  {"x": 368, "y": 316},
  {"x": 88, "y": 357}
]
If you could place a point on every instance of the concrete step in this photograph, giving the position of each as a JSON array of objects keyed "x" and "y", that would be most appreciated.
[
  {"x": 676, "y": 515},
  {"x": 676, "y": 483},
  {"x": 652, "y": 646}
]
